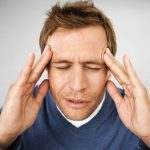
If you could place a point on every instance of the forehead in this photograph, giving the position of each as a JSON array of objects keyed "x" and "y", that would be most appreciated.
[{"x": 78, "y": 44}]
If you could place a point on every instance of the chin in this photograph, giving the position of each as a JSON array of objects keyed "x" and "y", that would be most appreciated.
[
  {"x": 76, "y": 115},
  {"x": 76, "y": 110}
]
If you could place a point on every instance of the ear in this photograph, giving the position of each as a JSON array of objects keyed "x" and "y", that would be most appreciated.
[{"x": 108, "y": 75}]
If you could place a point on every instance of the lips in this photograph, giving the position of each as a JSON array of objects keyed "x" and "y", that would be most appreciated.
[{"x": 76, "y": 103}]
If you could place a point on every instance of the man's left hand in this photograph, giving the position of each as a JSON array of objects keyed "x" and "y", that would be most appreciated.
[{"x": 134, "y": 107}]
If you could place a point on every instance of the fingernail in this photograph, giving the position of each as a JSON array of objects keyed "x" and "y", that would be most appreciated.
[
  {"x": 108, "y": 50},
  {"x": 46, "y": 49}
]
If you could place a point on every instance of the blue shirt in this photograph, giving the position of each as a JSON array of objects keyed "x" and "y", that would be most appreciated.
[{"x": 51, "y": 131}]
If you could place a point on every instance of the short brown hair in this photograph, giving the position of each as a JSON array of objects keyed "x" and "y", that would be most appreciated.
[{"x": 77, "y": 15}]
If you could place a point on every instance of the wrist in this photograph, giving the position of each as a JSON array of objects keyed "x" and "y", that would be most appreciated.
[{"x": 6, "y": 139}]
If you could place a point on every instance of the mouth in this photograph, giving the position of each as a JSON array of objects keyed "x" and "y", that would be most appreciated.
[{"x": 76, "y": 103}]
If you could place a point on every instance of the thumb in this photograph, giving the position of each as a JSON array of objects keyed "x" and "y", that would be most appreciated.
[
  {"x": 41, "y": 92},
  {"x": 114, "y": 93}
]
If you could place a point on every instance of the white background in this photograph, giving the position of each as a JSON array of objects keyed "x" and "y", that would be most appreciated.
[{"x": 21, "y": 22}]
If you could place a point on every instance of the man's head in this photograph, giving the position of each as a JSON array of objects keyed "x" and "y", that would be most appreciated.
[
  {"x": 77, "y": 15},
  {"x": 78, "y": 34}
]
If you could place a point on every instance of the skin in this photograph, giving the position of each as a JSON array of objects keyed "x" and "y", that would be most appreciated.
[
  {"x": 77, "y": 73},
  {"x": 134, "y": 107},
  {"x": 21, "y": 108}
]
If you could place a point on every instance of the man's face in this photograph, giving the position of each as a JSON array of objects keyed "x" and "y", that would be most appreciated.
[{"x": 77, "y": 73}]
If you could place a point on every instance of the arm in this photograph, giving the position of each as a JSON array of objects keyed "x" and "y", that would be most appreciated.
[
  {"x": 21, "y": 107},
  {"x": 134, "y": 107}
]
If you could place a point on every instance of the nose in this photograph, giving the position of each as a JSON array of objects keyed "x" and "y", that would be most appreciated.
[{"x": 78, "y": 81}]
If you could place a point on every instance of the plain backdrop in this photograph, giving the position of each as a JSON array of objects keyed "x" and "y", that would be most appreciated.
[{"x": 21, "y": 22}]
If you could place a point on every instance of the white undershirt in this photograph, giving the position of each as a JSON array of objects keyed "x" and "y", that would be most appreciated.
[{"x": 82, "y": 122}]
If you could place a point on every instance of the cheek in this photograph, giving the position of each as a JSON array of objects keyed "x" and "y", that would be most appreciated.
[
  {"x": 97, "y": 83},
  {"x": 57, "y": 81},
  {"x": 97, "y": 79}
]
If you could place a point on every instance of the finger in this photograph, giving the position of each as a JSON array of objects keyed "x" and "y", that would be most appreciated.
[
  {"x": 25, "y": 73},
  {"x": 130, "y": 71},
  {"x": 40, "y": 66},
  {"x": 43, "y": 88},
  {"x": 114, "y": 93},
  {"x": 116, "y": 68}
]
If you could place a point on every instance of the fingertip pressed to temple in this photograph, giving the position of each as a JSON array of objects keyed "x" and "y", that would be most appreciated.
[
  {"x": 47, "y": 47},
  {"x": 108, "y": 51},
  {"x": 106, "y": 58}
]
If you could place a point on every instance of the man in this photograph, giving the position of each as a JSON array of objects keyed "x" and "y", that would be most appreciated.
[{"x": 77, "y": 107}]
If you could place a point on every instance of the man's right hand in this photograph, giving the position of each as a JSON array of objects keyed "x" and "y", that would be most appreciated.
[{"x": 21, "y": 107}]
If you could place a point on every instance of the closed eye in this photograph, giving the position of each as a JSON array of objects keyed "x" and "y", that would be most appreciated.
[
  {"x": 92, "y": 68},
  {"x": 63, "y": 67},
  {"x": 95, "y": 68}
]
